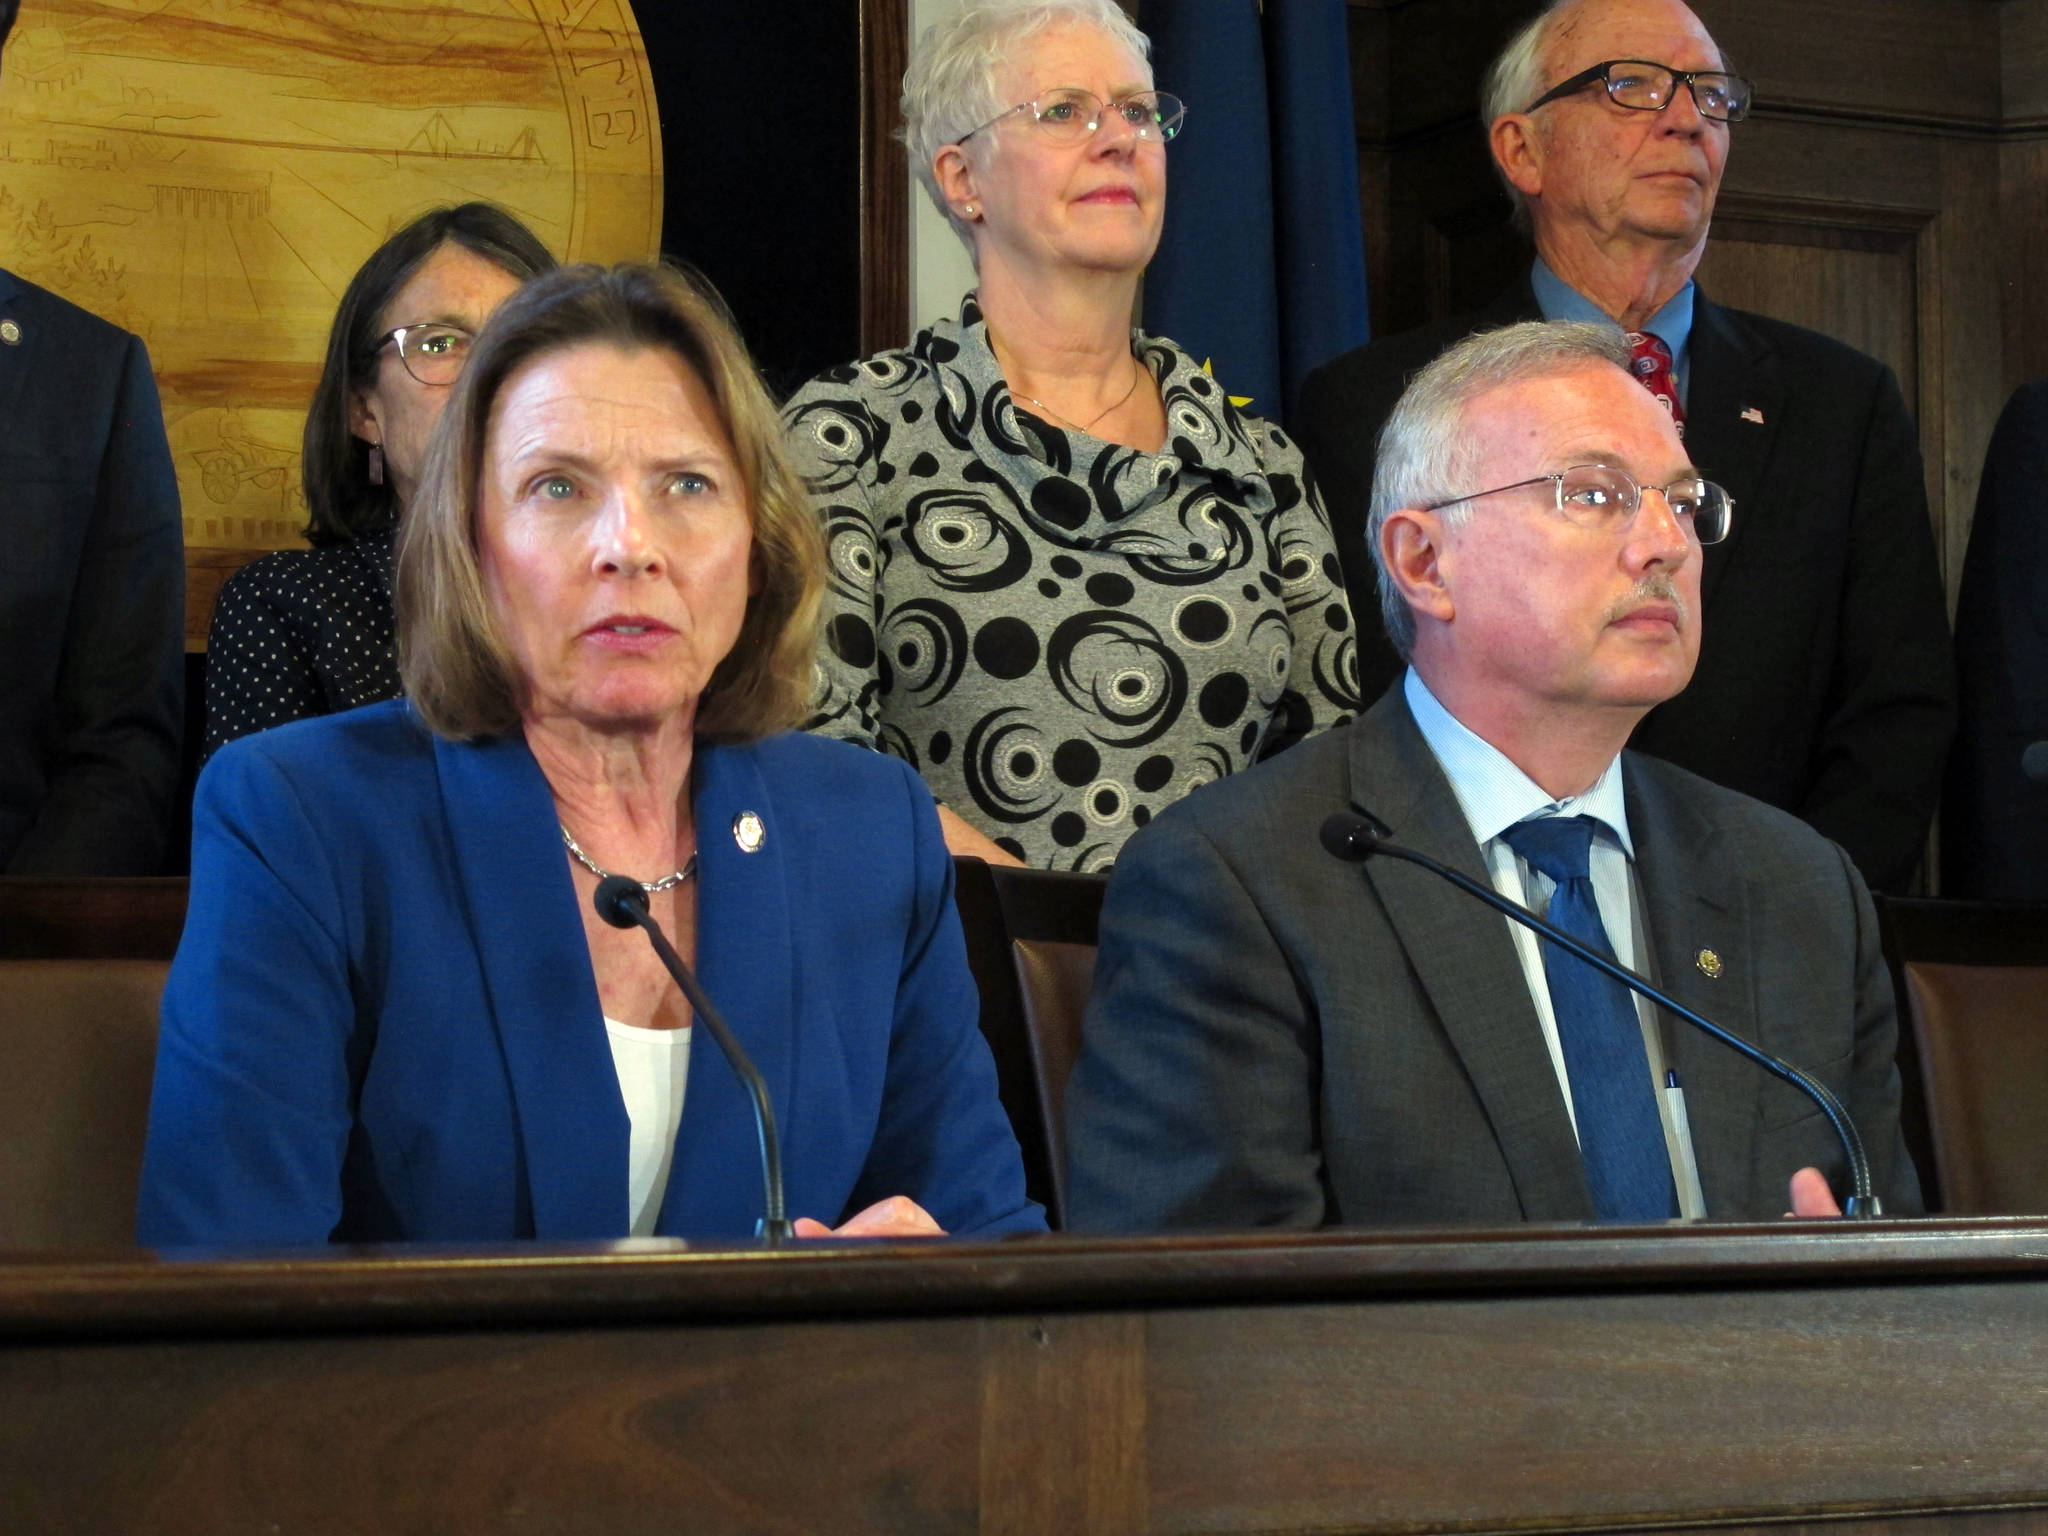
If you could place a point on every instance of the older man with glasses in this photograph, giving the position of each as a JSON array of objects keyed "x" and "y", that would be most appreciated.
[
  {"x": 1826, "y": 685},
  {"x": 1279, "y": 1037}
]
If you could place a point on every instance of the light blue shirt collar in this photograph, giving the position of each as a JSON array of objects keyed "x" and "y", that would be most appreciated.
[
  {"x": 1492, "y": 792},
  {"x": 1671, "y": 325}
]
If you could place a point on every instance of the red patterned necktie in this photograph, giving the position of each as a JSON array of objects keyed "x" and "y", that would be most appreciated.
[{"x": 1650, "y": 360}]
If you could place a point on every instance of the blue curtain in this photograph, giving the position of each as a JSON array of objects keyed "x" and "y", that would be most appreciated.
[{"x": 1261, "y": 268}]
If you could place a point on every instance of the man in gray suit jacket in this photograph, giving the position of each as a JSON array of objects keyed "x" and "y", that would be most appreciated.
[{"x": 1278, "y": 1038}]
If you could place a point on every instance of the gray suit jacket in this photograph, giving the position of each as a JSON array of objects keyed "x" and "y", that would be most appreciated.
[{"x": 1280, "y": 1039}]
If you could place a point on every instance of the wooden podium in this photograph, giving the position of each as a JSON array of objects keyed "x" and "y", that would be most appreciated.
[{"x": 1869, "y": 1376}]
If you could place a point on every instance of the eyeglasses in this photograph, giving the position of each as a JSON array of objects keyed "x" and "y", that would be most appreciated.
[
  {"x": 433, "y": 354},
  {"x": 1605, "y": 499},
  {"x": 1068, "y": 114},
  {"x": 1645, "y": 87}
]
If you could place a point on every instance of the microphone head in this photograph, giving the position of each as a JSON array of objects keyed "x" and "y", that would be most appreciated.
[
  {"x": 1353, "y": 836},
  {"x": 620, "y": 901},
  {"x": 2034, "y": 762}
]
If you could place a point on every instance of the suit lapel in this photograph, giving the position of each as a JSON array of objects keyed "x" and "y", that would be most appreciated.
[
  {"x": 17, "y": 362},
  {"x": 1735, "y": 405},
  {"x": 528, "y": 932},
  {"x": 745, "y": 952},
  {"x": 1696, "y": 921},
  {"x": 1465, "y": 961}
]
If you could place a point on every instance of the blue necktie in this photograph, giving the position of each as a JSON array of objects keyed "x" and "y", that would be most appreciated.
[{"x": 1621, "y": 1137}]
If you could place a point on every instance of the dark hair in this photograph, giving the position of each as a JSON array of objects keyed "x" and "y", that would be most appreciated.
[
  {"x": 8, "y": 8},
  {"x": 458, "y": 671},
  {"x": 335, "y": 465}
]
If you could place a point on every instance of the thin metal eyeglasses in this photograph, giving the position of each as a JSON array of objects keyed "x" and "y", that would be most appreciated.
[
  {"x": 1643, "y": 86},
  {"x": 1603, "y": 498},
  {"x": 432, "y": 353},
  {"x": 1067, "y": 114}
]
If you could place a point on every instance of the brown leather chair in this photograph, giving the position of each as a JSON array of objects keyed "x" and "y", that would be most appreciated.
[
  {"x": 77, "y": 1053},
  {"x": 1972, "y": 981},
  {"x": 1031, "y": 946},
  {"x": 1051, "y": 919},
  {"x": 82, "y": 919}
]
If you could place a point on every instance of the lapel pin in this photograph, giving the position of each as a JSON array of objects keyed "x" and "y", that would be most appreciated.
[
  {"x": 1709, "y": 964},
  {"x": 1752, "y": 415},
  {"x": 748, "y": 832},
  {"x": 10, "y": 332}
]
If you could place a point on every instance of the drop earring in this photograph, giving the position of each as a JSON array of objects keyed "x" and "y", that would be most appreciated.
[{"x": 376, "y": 463}]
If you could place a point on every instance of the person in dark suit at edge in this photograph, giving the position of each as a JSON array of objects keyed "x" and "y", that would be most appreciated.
[
  {"x": 92, "y": 592},
  {"x": 1826, "y": 685},
  {"x": 1281, "y": 1038},
  {"x": 1994, "y": 813}
]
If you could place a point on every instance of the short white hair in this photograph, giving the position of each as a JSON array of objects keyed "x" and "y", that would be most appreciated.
[
  {"x": 950, "y": 89},
  {"x": 1513, "y": 83},
  {"x": 1426, "y": 455}
]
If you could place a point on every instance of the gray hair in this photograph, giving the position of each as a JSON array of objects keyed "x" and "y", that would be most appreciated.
[
  {"x": 1425, "y": 454},
  {"x": 950, "y": 87},
  {"x": 1513, "y": 81}
]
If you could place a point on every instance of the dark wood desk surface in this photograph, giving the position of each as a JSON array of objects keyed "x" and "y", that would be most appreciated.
[{"x": 1534, "y": 1379}]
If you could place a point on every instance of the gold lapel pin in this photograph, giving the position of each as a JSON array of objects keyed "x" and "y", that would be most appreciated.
[
  {"x": 10, "y": 332},
  {"x": 748, "y": 832},
  {"x": 1709, "y": 964}
]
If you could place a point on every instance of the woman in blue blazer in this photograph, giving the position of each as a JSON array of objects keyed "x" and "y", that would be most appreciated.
[{"x": 394, "y": 1014}]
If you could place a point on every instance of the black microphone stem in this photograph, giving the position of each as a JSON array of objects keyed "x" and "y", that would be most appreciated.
[
  {"x": 1863, "y": 1201},
  {"x": 632, "y": 905}
]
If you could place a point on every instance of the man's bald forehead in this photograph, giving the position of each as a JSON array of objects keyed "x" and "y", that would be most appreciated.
[{"x": 1577, "y": 21}]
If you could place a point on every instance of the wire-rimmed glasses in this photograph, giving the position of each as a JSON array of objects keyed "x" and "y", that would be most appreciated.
[
  {"x": 1603, "y": 498},
  {"x": 432, "y": 353},
  {"x": 1067, "y": 114},
  {"x": 1644, "y": 86}
]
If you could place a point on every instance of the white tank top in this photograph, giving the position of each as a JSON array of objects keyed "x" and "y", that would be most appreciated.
[{"x": 654, "y": 1069}]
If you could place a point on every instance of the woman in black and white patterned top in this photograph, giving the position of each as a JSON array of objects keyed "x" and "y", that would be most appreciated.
[
  {"x": 305, "y": 632},
  {"x": 1070, "y": 580}
]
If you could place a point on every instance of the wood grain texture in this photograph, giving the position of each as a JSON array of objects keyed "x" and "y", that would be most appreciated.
[
  {"x": 885, "y": 178},
  {"x": 1887, "y": 1375}
]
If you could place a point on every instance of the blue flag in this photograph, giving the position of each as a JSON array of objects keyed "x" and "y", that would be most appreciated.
[{"x": 1261, "y": 267}]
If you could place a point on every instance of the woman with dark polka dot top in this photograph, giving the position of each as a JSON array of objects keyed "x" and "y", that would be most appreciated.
[
  {"x": 306, "y": 632},
  {"x": 1070, "y": 580}
]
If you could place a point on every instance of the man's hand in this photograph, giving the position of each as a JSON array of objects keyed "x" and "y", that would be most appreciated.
[
  {"x": 1810, "y": 1195},
  {"x": 897, "y": 1216}
]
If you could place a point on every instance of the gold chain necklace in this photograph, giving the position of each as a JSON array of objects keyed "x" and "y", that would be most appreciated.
[{"x": 1088, "y": 426}]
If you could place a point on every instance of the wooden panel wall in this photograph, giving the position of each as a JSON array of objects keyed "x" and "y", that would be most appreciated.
[{"x": 1890, "y": 190}]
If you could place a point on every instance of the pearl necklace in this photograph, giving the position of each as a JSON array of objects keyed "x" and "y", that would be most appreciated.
[{"x": 652, "y": 888}]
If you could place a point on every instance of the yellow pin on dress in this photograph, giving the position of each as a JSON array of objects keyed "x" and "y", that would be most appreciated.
[{"x": 1709, "y": 964}]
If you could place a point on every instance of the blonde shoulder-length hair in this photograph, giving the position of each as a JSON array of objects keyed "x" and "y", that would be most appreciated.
[{"x": 457, "y": 669}]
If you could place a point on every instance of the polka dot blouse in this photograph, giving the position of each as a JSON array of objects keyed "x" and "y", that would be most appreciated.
[{"x": 299, "y": 633}]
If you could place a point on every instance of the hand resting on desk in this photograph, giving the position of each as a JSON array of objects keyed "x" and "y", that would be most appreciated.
[{"x": 897, "y": 1216}]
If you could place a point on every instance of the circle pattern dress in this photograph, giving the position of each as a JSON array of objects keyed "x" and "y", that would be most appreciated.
[{"x": 1064, "y": 635}]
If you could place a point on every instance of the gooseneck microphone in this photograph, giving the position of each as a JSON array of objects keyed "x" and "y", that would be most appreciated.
[
  {"x": 1357, "y": 835},
  {"x": 621, "y": 902}
]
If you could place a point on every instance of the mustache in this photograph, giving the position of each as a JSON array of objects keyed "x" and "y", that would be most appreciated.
[{"x": 1657, "y": 587}]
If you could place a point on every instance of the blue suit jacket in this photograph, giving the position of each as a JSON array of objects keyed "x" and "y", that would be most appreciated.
[{"x": 382, "y": 1022}]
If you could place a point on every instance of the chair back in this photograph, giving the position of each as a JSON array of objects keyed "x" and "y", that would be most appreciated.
[
  {"x": 1051, "y": 920},
  {"x": 1972, "y": 981},
  {"x": 77, "y": 1055}
]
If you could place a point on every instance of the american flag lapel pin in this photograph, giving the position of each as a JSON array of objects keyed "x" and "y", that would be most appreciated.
[{"x": 1752, "y": 415}]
